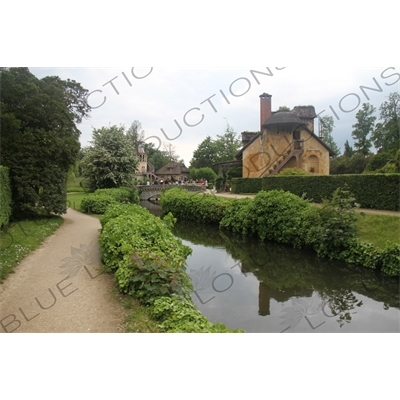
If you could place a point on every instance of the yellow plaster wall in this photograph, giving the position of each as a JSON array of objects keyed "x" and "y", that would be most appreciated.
[{"x": 262, "y": 154}]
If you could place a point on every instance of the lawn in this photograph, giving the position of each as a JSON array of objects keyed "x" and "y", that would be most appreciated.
[
  {"x": 74, "y": 200},
  {"x": 378, "y": 229},
  {"x": 21, "y": 238}
]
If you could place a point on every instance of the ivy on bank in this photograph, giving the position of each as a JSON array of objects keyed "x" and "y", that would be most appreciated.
[
  {"x": 149, "y": 263},
  {"x": 330, "y": 230}
]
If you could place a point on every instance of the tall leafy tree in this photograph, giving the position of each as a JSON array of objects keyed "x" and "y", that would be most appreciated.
[
  {"x": 39, "y": 137},
  {"x": 348, "y": 150},
  {"x": 136, "y": 134},
  {"x": 363, "y": 128},
  {"x": 227, "y": 145},
  {"x": 386, "y": 136},
  {"x": 111, "y": 161},
  {"x": 327, "y": 126},
  {"x": 205, "y": 155}
]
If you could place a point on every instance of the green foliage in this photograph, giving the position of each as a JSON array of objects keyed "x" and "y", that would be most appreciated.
[
  {"x": 348, "y": 150},
  {"x": 219, "y": 182},
  {"x": 293, "y": 171},
  {"x": 327, "y": 127},
  {"x": 149, "y": 263},
  {"x": 238, "y": 218},
  {"x": 197, "y": 207},
  {"x": 111, "y": 161},
  {"x": 5, "y": 197},
  {"x": 391, "y": 260},
  {"x": 363, "y": 128},
  {"x": 210, "y": 151},
  {"x": 147, "y": 260},
  {"x": 39, "y": 138},
  {"x": 246, "y": 185},
  {"x": 330, "y": 228},
  {"x": 20, "y": 239},
  {"x": 179, "y": 315},
  {"x": 101, "y": 199},
  {"x": 380, "y": 192},
  {"x": 274, "y": 215},
  {"x": 203, "y": 173},
  {"x": 386, "y": 136}
]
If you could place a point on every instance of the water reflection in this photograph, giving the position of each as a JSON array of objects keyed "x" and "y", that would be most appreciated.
[{"x": 267, "y": 287}]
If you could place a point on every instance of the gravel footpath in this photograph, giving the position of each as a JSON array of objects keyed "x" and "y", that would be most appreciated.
[{"x": 60, "y": 288}]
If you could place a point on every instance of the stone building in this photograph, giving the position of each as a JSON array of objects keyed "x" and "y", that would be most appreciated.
[
  {"x": 174, "y": 171},
  {"x": 287, "y": 140},
  {"x": 145, "y": 170}
]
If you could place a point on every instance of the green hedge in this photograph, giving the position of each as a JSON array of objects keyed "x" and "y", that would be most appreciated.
[
  {"x": 379, "y": 192},
  {"x": 249, "y": 185},
  {"x": 196, "y": 207},
  {"x": 101, "y": 199},
  {"x": 283, "y": 217},
  {"x": 149, "y": 263},
  {"x": 5, "y": 197}
]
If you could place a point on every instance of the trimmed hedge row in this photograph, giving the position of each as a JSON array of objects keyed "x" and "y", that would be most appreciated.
[
  {"x": 101, "y": 199},
  {"x": 246, "y": 185},
  {"x": 149, "y": 263},
  {"x": 5, "y": 197},
  {"x": 379, "y": 192}
]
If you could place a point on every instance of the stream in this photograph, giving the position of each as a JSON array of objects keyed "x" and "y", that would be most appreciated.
[{"x": 264, "y": 287}]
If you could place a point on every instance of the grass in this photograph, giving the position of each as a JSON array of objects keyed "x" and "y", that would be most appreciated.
[
  {"x": 21, "y": 238},
  {"x": 74, "y": 186},
  {"x": 74, "y": 200},
  {"x": 378, "y": 229},
  {"x": 137, "y": 317}
]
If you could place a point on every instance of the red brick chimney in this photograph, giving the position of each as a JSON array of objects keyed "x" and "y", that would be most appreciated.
[{"x": 265, "y": 108}]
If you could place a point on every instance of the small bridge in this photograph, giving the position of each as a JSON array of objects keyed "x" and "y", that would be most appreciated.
[{"x": 155, "y": 191}]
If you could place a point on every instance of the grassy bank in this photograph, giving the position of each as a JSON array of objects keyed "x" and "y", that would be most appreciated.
[
  {"x": 378, "y": 229},
  {"x": 21, "y": 238}
]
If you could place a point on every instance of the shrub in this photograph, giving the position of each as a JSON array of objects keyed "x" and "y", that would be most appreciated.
[
  {"x": 293, "y": 171},
  {"x": 5, "y": 197},
  {"x": 175, "y": 314},
  {"x": 101, "y": 199},
  {"x": 197, "y": 207},
  {"x": 332, "y": 227},
  {"x": 149, "y": 264},
  {"x": 278, "y": 216},
  {"x": 147, "y": 260},
  {"x": 391, "y": 260}
]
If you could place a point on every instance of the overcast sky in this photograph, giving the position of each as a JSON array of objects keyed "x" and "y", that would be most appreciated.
[{"x": 157, "y": 97}]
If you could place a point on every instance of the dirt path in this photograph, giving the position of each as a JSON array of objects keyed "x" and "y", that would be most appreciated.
[{"x": 58, "y": 287}]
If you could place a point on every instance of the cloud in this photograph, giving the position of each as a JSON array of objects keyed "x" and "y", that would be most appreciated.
[{"x": 218, "y": 95}]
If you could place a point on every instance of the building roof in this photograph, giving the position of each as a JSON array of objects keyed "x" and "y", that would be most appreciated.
[
  {"x": 173, "y": 168},
  {"x": 283, "y": 118},
  {"x": 307, "y": 112},
  {"x": 239, "y": 155}
]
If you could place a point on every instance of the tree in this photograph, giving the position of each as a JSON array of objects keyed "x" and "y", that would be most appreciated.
[
  {"x": 169, "y": 151},
  {"x": 348, "y": 150},
  {"x": 111, "y": 161},
  {"x": 227, "y": 145},
  {"x": 155, "y": 156},
  {"x": 136, "y": 134},
  {"x": 327, "y": 126},
  {"x": 39, "y": 137},
  {"x": 386, "y": 136},
  {"x": 362, "y": 129},
  {"x": 205, "y": 155}
]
